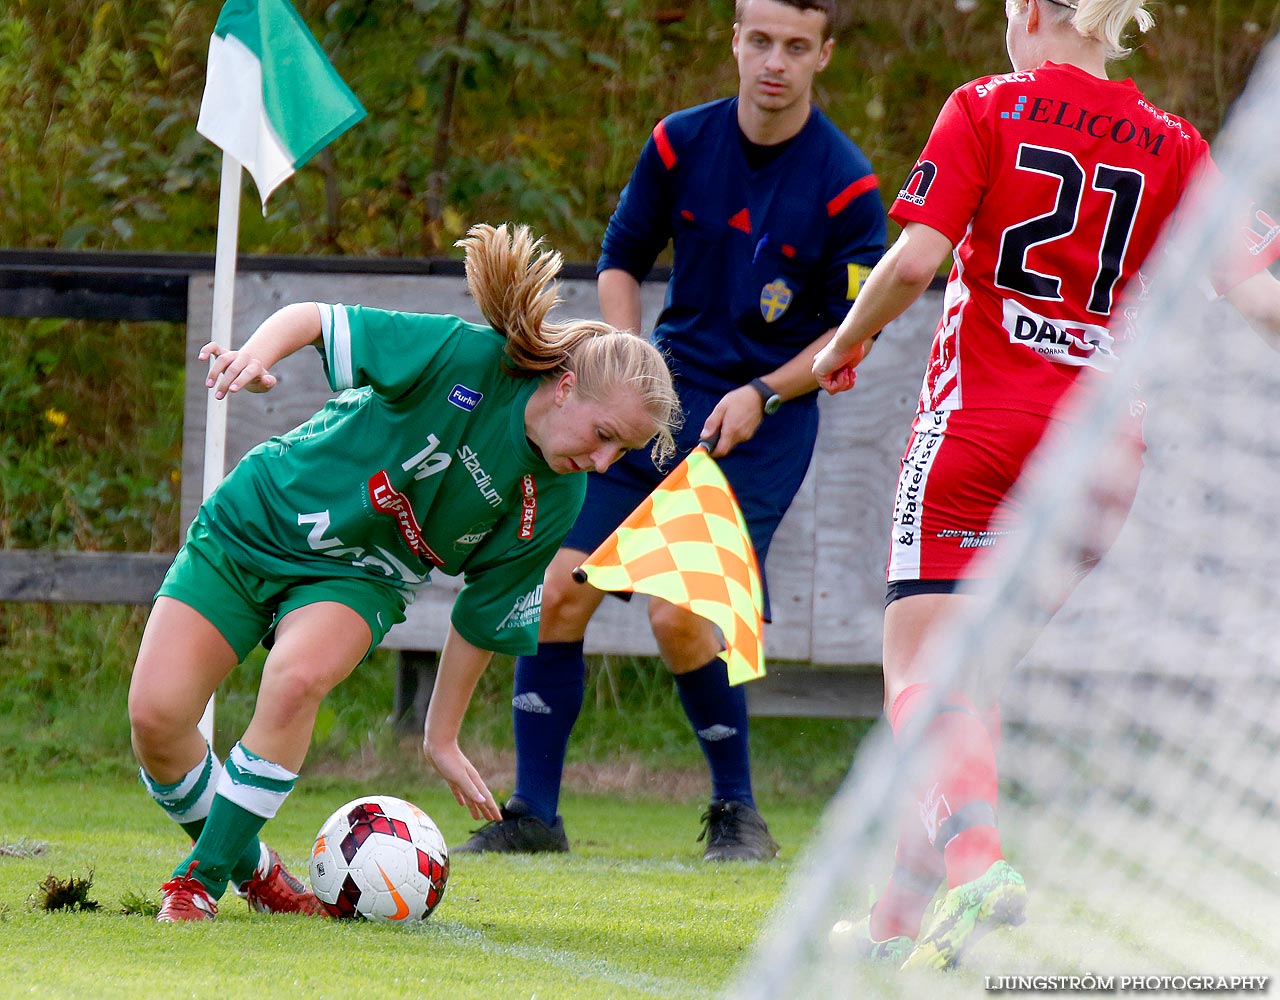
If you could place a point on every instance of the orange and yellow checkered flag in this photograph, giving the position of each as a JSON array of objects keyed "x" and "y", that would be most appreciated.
[{"x": 688, "y": 544}]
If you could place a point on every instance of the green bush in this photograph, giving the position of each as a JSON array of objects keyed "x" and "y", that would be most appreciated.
[{"x": 552, "y": 101}]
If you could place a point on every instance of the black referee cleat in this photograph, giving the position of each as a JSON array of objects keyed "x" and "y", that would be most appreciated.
[
  {"x": 517, "y": 832},
  {"x": 736, "y": 832}
]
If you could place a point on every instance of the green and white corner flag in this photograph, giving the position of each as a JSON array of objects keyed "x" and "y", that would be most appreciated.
[{"x": 271, "y": 98}]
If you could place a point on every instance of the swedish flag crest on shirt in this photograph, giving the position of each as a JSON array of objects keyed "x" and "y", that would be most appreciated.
[{"x": 774, "y": 299}]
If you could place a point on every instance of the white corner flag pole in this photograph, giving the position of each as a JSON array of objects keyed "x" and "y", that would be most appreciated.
[{"x": 224, "y": 284}]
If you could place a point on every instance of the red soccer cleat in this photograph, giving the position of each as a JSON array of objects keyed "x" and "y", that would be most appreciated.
[
  {"x": 274, "y": 890},
  {"x": 186, "y": 899}
]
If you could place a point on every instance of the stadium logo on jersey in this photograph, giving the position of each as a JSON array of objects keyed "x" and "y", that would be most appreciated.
[
  {"x": 388, "y": 500},
  {"x": 916, "y": 190},
  {"x": 1081, "y": 345},
  {"x": 774, "y": 299},
  {"x": 482, "y": 479},
  {"x": 464, "y": 398},
  {"x": 528, "y": 506},
  {"x": 526, "y": 611},
  {"x": 1262, "y": 231}
]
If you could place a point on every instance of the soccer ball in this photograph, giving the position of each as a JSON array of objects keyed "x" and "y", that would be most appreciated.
[{"x": 381, "y": 858}]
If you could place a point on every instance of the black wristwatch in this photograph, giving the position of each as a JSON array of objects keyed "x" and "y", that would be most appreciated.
[{"x": 770, "y": 398}]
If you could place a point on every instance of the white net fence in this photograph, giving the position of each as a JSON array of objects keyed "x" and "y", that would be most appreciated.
[{"x": 1139, "y": 790}]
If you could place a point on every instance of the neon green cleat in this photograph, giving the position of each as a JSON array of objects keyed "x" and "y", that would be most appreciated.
[
  {"x": 967, "y": 912},
  {"x": 853, "y": 938}
]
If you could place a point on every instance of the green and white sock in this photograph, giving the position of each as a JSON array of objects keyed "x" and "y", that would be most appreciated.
[
  {"x": 255, "y": 783},
  {"x": 250, "y": 791},
  {"x": 188, "y": 800}
]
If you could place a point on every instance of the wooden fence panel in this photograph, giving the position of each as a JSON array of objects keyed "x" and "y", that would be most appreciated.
[{"x": 826, "y": 567}]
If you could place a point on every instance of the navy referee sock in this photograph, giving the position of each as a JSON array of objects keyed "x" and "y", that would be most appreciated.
[
  {"x": 547, "y": 699},
  {"x": 718, "y": 714}
]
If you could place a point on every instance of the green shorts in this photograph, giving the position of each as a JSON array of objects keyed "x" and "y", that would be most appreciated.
[{"x": 246, "y": 608}]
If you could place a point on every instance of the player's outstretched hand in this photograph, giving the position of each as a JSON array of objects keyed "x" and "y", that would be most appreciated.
[
  {"x": 469, "y": 789},
  {"x": 839, "y": 380},
  {"x": 231, "y": 371},
  {"x": 834, "y": 368}
]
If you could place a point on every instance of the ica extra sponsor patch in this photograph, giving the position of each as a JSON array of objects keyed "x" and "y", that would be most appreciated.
[{"x": 528, "y": 506}]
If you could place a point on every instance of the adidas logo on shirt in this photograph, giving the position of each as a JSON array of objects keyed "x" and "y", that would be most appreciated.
[{"x": 530, "y": 702}]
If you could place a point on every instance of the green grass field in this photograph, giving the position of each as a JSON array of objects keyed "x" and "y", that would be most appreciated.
[{"x": 632, "y": 912}]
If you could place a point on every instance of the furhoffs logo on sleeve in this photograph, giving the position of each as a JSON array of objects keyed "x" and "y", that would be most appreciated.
[
  {"x": 528, "y": 506},
  {"x": 464, "y": 398},
  {"x": 388, "y": 500}
]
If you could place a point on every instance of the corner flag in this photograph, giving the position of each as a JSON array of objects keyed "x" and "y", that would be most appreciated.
[
  {"x": 271, "y": 98},
  {"x": 688, "y": 544}
]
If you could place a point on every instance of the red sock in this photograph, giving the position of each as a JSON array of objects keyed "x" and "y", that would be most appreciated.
[
  {"x": 915, "y": 879},
  {"x": 958, "y": 796}
]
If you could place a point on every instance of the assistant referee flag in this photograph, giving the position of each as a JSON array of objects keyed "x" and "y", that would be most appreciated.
[
  {"x": 688, "y": 544},
  {"x": 271, "y": 98}
]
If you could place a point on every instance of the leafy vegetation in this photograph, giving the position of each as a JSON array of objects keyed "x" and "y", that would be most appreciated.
[{"x": 478, "y": 110}]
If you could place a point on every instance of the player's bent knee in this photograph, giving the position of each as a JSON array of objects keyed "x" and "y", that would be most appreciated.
[
  {"x": 152, "y": 729},
  {"x": 301, "y": 687}
]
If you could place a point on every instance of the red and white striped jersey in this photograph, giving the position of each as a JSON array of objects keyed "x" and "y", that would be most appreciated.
[{"x": 1053, "y": 185}]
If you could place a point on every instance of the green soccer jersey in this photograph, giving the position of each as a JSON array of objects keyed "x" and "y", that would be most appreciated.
[{"x": 421, "y": 463}]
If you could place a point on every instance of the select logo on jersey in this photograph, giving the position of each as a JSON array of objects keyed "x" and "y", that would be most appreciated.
[
  {"x": 1082, "y": 345},
  {"x": 916, "y": 190},
  {"x": 464, "y": 398},
  {"x": 388, "y": 500},
  {"x": 526, "y": 611},
  {"x": 528, "y": 506},
  {"x": 482, "y": 479},
  {"x": 988, "y": 86},
  {"x": 774, "y": 299}
]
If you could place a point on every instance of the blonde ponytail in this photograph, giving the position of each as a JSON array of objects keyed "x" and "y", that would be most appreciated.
[
  {"x": 1107, "y": 20},
  {"x": 1104, "y": 21},
  {"x": 514, "y": 286}
]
